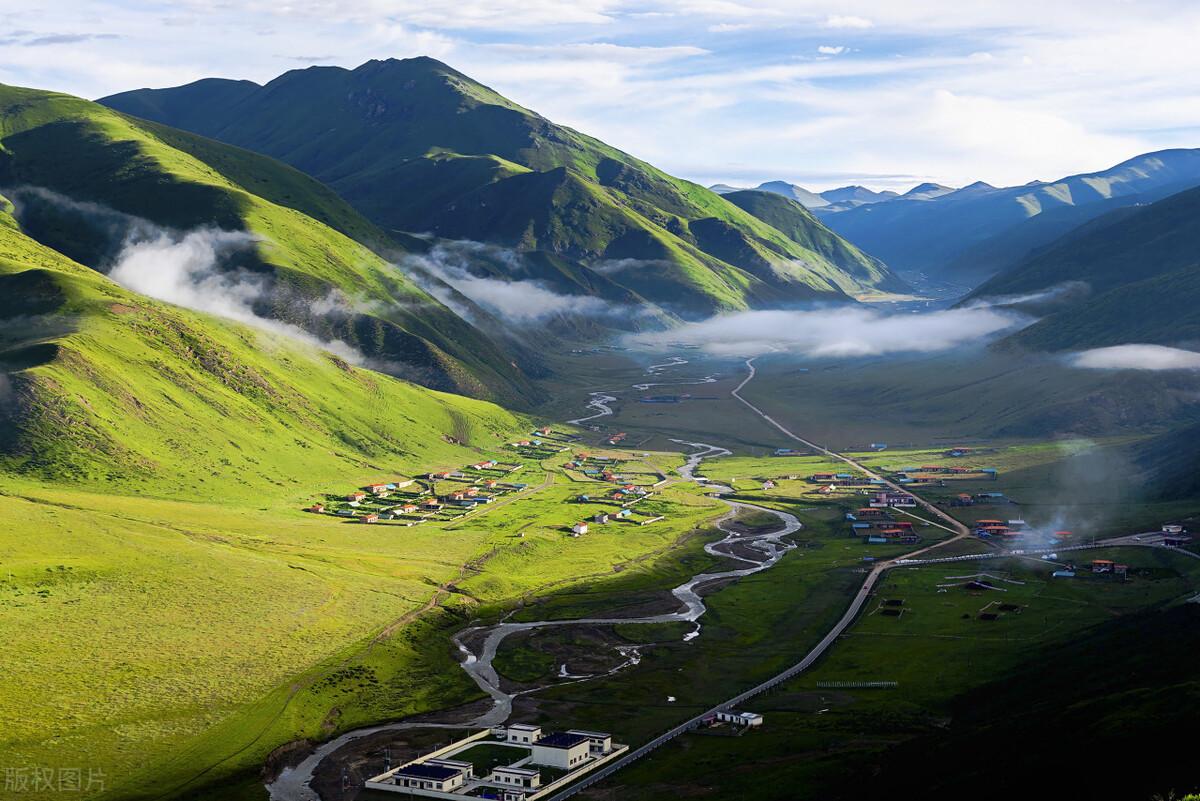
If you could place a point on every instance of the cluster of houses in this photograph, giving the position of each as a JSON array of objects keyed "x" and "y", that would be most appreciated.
[
  {"x": 543, "y": 442},
  {"x": 938, "y": 474},
  {"x": 967, "y": 499},
  {"x": 625, "y": 494},
  {"x": 1004, "y": 528},
  {"x": 828, "y": 481},
  {"x": 877, "y": 526},
  {"x": 563, "y": 756},
  {"x": 410, "y": 502}
]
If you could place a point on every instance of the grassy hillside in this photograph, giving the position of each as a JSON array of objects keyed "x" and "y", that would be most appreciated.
[
  {"x": 153, "y": 466},
  {"x": 798, "y": 224},
  {"x": 91, "y": 154},
  {"x": 1140, "y": 268},
  {"x": 110, "y": 388},
  {"x": 490, "y": 170}
]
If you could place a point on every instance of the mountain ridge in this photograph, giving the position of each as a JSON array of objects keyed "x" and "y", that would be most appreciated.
[
  {"x": 943, "y": 235},
  {"x": 492, "y": 171}
]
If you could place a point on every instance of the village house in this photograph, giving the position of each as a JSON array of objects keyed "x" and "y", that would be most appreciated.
[
  {"x": 432, "y": 775},
  {"x": 408, "y": 508},
  {"x": 356, "y": 497},
  {"x": 623, "y": 514},
  {"x": 738, "y": 718},
  {"x": 1102, "y": 566},
  {"x": 370, "y": 518},
  {"x": 317, "y": 508},
  {"x": 602, "y": 518},
  {"x": 521, "y": 733},
  {"x": 524, "y": 778},
  {"x": 897, "y": 499},
  {"x": 579, "y": 528},
  {"x": 561, "y": 750},
  {"x": 599, "y": 742}
]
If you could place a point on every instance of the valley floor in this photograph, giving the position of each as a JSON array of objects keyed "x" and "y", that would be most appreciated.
[{"x": 195, "y": 687}]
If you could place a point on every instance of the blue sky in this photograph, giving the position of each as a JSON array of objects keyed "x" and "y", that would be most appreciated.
[{"x": 886, "y": 93}]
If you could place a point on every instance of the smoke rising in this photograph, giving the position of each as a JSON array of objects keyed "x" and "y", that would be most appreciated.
[
  {"x": 845, "y": 332},
  {"x": 1136, "y": 357}
]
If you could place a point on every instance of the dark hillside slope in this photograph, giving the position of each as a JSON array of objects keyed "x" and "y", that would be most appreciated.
[
  {"x": 1108, "y": 717},
  {"x": 1142, "y": 267},
  {"x": 417, "y": 146}
]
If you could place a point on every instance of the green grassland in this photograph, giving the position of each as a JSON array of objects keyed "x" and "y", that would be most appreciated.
[
  {"x": 236, "y": 629},
  {"x": 754, "y": 628},
  {"x": 937, "y": 649}
]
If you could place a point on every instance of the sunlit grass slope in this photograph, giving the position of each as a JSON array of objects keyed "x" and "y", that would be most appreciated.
[{"x": 178, "y": 180}]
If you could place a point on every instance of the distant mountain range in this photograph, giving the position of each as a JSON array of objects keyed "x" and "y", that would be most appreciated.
[
  {"x": 419, "y": 147},
  {"x": 843, "y": 197},
  {"x": 970, "y": 234}
]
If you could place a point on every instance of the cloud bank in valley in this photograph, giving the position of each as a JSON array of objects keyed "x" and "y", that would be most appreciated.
[
  {"x": 520, "y": 300},
  {"x": 1136, "y": 357},
  {"x": 840, "y": 332},
  {"x": 1065, "y": 292}
]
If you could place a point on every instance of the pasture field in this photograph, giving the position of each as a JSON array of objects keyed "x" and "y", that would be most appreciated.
[
  {"x": 754, "y": 628},
  {"x": 936, "y": 646},
  {"x": 234, "y": 629}
]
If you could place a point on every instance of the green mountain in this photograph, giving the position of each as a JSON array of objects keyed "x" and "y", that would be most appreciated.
[
  {"x": 103, "y": 386},
  {"x": 417, "y": 146},
  {"x": 798, "y": 224},
  {"x": 1140, "y": 268},
  {"x": 84, "y": 176}
]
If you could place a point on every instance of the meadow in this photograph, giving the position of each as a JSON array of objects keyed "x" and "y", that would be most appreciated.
[
  {"x": 935, "y": 645},
  {"x": 236, "y": 629}
]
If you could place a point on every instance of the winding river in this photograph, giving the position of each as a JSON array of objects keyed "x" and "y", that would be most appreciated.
[{"x": 755, "y": 552}]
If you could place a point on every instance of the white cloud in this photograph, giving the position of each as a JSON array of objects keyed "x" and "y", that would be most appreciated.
[
  {"x": 187, "y": 271},
  {"x": 847, "y": 21},
  {"x": 1136, "y": 357},
  {"x": 518, "y": 300},
  {"x": 1052, "y": 88},
  {"x": 840, "y": 332},
  {"x": 831, "y": 50}
]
